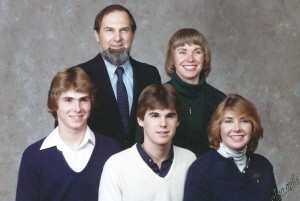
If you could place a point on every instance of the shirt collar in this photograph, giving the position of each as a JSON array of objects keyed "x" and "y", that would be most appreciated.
[
  {"x": 148, "y": 160},
  {"x": 111, "y": 69},
  {"x": 54, "y": 139}
]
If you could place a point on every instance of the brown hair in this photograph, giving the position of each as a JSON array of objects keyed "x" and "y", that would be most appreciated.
[
  {"x": 158, "y": 96},
  {"x": 187, "y": 36},
  {"x": 69, "y": 78},
  {"x": 238, "y": 105},
  {"x": 110, "y": 9}
]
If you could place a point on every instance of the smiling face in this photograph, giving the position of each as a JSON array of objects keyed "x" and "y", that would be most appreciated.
[
  {"x": 188, "y": 61},
  {"x": 73, "y": 110},
  {"x": 115, "y": 31},
  {"x": 159, "y": 127},
  {"x": 236, "y": 131}
]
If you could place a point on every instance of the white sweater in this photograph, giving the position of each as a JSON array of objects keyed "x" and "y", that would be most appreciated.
[{"x": 126, "y": 177}]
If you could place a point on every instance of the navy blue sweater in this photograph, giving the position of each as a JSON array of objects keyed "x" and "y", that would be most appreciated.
[
  {"x": 213, "y": 177},
  {"x": 45, "y": 175}
]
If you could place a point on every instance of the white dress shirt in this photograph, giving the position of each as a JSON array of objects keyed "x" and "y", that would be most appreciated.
[
  {"x": 127, "y": 79},
  {"x": 78, "y": 159}
]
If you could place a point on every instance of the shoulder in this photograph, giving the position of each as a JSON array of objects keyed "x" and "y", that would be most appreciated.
[
  {"x": 144, "y": 74},
  {"x": 142, "y": 67},
  {"x": 214, "y": 95},
  {"x": 260, "y": 160},
  {"x": 214, "y": 91},
  {"x": 33, "y": 156},
  {"x": 139, "y": 63},
  {"x": 91, "y": 65},
  {"x": 126, "y": 156},
  {"x": 206, "y": 161},
  {"x": 183, "y": 153},
  {"x": 34, "y": 148}
]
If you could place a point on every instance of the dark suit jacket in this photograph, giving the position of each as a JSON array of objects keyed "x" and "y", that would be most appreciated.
[{"x": 106, "y": 118}]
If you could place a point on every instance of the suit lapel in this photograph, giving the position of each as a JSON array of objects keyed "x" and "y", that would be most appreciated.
[
  {"x": 105, "y": 95},
  {"x": 102, "y": 81},
  {"x": 137, "y": 79}
]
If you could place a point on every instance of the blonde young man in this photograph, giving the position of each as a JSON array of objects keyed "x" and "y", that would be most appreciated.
[{"x": 67, "y": 164}]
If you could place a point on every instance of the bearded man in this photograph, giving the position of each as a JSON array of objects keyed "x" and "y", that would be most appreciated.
[{"x": 114, "y": 30}]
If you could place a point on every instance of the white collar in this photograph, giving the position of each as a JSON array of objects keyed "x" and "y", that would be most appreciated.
[
  {"x": 53, "y": 139},
  {"x": 111, "y": 69},
  {"x": 227, "y": 152},
  {"x": 239, "y": 157}
]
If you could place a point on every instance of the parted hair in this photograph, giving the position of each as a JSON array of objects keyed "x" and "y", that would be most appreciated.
[
  {"x": 110, "y": 9},
  {"x": 187, "y": 36},
  {"x": 158, "y": 96},
  {"x": 239, "y": 106},
  {"x": 69, "y": 78}
]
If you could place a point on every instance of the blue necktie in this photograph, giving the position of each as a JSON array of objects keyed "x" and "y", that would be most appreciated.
[{"x": 122, "y": 97}]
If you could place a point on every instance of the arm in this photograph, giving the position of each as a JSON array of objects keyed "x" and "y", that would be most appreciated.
[
  {"x": 157, "y": 78},
  {"x": 274, "y": 191},
  {"x": 196, "y": 185},
  {"x": 110, "y": 185},
  {"x": 28, "y": 180}
]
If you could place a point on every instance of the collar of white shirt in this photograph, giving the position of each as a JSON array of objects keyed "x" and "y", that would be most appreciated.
[
  {"x": 111, "y": 69},
  {"x": 78, "y": 159},
  {"x": 54, "y": 140}
]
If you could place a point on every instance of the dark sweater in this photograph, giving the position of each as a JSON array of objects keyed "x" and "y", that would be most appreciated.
[
  {"x": 44, "y": 175},
  {"x": 199, "y": 102},
  {"x": 213, "y": 177}
]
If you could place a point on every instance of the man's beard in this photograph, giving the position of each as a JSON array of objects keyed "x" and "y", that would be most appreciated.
[{"x": 116, "y": 57}]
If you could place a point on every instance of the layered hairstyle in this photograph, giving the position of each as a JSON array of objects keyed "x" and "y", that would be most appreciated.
[
  {"x": 110, "y": 9},
  {"x": 239, "y": 106},
  {"x": 158, "y": 96},
  {"x": 73, "y": 78},
  {"x": 187, "y": 36}
]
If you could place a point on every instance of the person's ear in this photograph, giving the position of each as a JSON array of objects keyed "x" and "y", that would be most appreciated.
[
  {"x": 97, "y": 37},
  {"x": 140, "y": 122}
]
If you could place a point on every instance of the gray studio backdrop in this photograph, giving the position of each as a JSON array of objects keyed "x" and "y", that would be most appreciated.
[{"x": 255, "y": 52}]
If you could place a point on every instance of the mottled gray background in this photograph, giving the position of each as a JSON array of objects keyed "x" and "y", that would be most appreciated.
[{"x": 255, "y": 52}]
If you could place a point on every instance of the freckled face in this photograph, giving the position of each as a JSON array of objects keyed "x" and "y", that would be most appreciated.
[
  {"x": 236, "y": 131},
  {"x": 188, "y": 61},
  {"x": 159, "y": 126},
  {"x": 115, "y": 31},
  {"x": 73, "y": 110}
]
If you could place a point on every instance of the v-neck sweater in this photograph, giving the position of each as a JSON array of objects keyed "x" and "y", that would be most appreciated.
[
  {"x": 127, "y": 177},
  {"x": 45, "y": 175}
]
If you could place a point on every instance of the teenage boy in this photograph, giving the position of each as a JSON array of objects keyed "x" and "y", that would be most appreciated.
[
  {"x": 67, "y": 164},
  {"x": 152, "y": 169}
]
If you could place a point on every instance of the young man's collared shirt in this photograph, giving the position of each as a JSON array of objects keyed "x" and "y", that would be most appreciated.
[
  {"x": 127, "y": 79},
  {"x": 165, "y": 165},
  {"x": 77, "y": 159}
]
